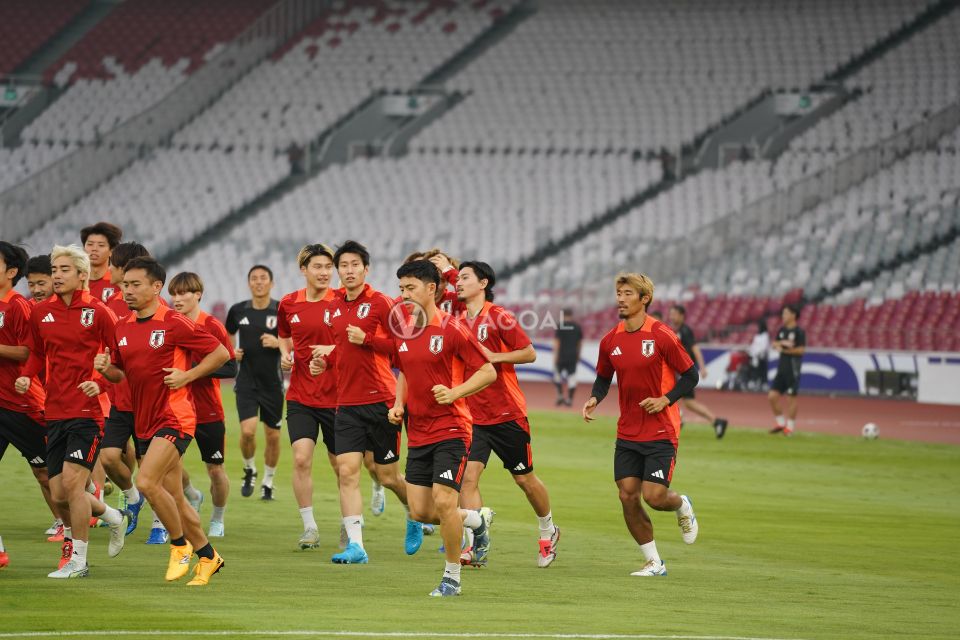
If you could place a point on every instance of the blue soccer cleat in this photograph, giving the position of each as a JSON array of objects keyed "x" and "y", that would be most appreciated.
[
  {"x": 447, "y": 587},
  {"x": 481, "y": 537},
  {"x": 134, "y": 510},
  {"x": 158, "y": 535},
  {"x": 353, "y": 554},
  {"x": 414, "y": 539}
]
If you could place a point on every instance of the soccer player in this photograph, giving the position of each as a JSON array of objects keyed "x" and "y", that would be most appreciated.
[
  {"x": 152, "y": 350},
  {"x": 39, "y": 278},
  {"x": 433, "y": 351},
  {"x": 646, "y": 356},
  {"x": 566, "y": 357},
  {"x": 186, "y": 291},
  {"x": 677, "y": 316},
  {"x": 791, "y": 343},
  {"x": 99, "y": 240},
  {"x": 68, "y": 330},
  {"x": 500, "y": 411},
  {"x": 259, "y": 383}
]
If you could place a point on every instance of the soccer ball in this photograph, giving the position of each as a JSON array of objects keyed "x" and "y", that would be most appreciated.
[{"x": 871, "y": 431}]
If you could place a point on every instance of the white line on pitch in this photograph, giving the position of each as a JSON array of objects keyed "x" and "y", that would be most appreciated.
[{"x": 373, "y": 634}]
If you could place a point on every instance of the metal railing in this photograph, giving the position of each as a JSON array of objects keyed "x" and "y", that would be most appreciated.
[{"x": 28, "y": 204}]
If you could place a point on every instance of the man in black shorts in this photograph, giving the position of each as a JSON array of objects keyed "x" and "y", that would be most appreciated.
[
  {"x": 566, "y": 354},
  {"x": 259, "y": 385},
  {"x": 791, "y": 342},
  {"x": 677, "y": 317}
]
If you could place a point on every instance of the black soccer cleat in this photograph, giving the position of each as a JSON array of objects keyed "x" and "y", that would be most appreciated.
[
  {"x": 720, "y": 426},
  {"x": 249, "y": 480},
  {"x": 266, "y": 493}
]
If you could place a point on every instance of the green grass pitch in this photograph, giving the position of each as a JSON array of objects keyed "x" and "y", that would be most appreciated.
[{"x": 810, "y": 537}]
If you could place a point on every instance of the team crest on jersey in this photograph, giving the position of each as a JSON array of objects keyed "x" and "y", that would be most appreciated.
[
  {"x": 86, "y": 316},
  {"x": 271, "y": 322},
  {"x": 326, "y": 317},
  {"x": 482, "y": 332},
  {"x": 107, "y": 292},
  {"x": 363, "y": 310},
  {"x": 647, "y": 347},
  {"x": 436, "y": 344},
  {"x": 2, "y": 314},
  {"x": 156, "y": 338},
  {"x": 446, "y": 306}
]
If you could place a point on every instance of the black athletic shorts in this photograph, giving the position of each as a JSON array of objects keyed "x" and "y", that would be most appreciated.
[
  {"x": 311, "y": 422},
  {"x": 366, "y": 428},
  {"x": 439, "y": 463},
  {"x": 27, "y": 435},
  {"x": 565, "y": 370},
  {"x": 785, "y": 382},
  {"x": 76, "y": 440},
  {"x": 509, "y": 440},
  {"x": 212, "y": 441},
  {"x": 649, "y": 461},
  {"x": 180, "y": 440},
  {"x": 268, "y": 403},
  {"x": 118, "y": 429}
]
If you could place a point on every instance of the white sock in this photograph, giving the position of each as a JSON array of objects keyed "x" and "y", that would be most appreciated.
[
  {"x": 217, "y": 515},
  {"x": 156, "y": 523},
  {"x": 650, "y": 552},
  {"x": 546, "y": 526},
  {"x": 192, "y": 493},
  {"x": 91, "y": 487},
  {"x": 309, "y": 522},
  {"x": 362, "y": 523},
  {"x": 250, "y": 463},
  {"x": 1, "y": 545},
  {"x": 472, "y": 519},
  {"x": 111, "y": 515},
  {"x": 68, "y": 533},
  {"x": 133, "y": 496},
  {"x": 781, "y": 421},
  {"x": 354, "y": 527},
  {"x": 791, "y": 424},
  {"x": 268, "y": 473},
  {"x": 467, "y": 538},
  {"x": 80, "y": 551},
  {"x": 452, "y": 570}
]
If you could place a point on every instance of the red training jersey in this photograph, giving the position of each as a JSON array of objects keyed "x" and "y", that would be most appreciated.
[
  {"x": 308, "y": 323},
  {"x": 646, "y": 362},
  {"x": 207, "y": 399},
  {"x": 64, "y": 340},
  {"x": 14, "y": 332},
  {"x": 437, "y": 354},
  {"x": 364, "y": 376},
  {"x": 144, "y": 348},
  {"x": 103, "y": 289},
  {"x": 498, "y": 330},
  {"x": 119, "y": 393}
]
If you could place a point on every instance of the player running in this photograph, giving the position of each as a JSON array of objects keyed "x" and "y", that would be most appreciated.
[
  {"x": 99, "y": 240},
  {"x": 151, "y": 342},
  {"x": 67, "y": 331},
  {"x": 259, "y": 384},
  {"x": 39, "y": 278},
  {"x": 186, "y": 291},
  {"x": 646, "y": 357},
  {"x": 677, "y": 316},
  {"x": 500, "y": 411}
]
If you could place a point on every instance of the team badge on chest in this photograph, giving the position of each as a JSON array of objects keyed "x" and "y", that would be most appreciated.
[
  {"x": 271, "y": 322},
  {"x": 647, "y": 348},
  {"x": 107, "y": 292},
  {"x": 326, "y": 318},
  {"x": 86, "y": 316},
  {"x": 446, "y": 306},
  {"x": 436, "y": 344},
  {"x": 156, "y": 338},
  {"x": 2, "y": 314},
  {"x": 363, "y": 310},
  {"x": 482, "y": 332}
]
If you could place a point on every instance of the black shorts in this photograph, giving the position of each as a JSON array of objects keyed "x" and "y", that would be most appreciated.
[
  {"x": 212, "y": 441},
  {"x": 565, "y": 370},
  {"x": 649, "y": 461},
  {"x": 509, "y": 440},
  {"x": 785, "y": 382},
  {"x": 27, "y": 435},
  {"x": 180, "y": 440},
  {"x": 118, "y": 429},
  {"x": 76, "y": 440},
  {"x": 439, "y": 463},
  {"x": 267, "y": 402},
  {"x": 366, "y": 428},
  {"x": 311, "y": 422}
]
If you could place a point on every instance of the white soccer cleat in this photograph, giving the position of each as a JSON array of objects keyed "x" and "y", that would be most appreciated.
[
  {"x": 310, "y": 539},
  {"x": 548, "y": 549},
  {"x": 72, "y": 569},
  {"x": 652, "y": 568},
  {"x": 378, "y": 499},
  {"x": 216, "y": 529},
  {"x": 118, "y": 534},
  {"x": 54, "y": 528},
  {"x": 688, "y": 523}
]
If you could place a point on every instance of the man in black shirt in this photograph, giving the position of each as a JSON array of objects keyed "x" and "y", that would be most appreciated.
[
  {"x": 677, "y": 317},
  {"x": 566, "y": 355},
  {"x": 259, "y": 385},
  {"x": 791, "y": 342}
]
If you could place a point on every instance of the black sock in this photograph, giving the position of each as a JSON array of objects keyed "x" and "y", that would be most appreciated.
[
  {"x": 206, "y": 551},
  {"x": 178, "y": 542}
]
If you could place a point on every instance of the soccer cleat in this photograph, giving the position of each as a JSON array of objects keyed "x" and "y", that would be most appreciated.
[
  {"x": 428, "y": 529},
  {"x": 216, "y": 529},
  {"x": 72, "y": 569},
  {"x": 4, "y": 559},
  {"x": 378, "y": 499},
  {"x": 720, "y": 427},
  {"x": 205, "y": 569},
  {"x": 344, "y": 539},
  {"x": 548, "y": 549},
  {"x": 134, "y": 511},
  {"x": 249, "y": 479},
  {"x": 787, "y": 431},
  {"x": 55, "y": 528},
  {"x": 447, "y": 587},
  {"x": 57, "y": 535},
  {"x": 310, "y": 539},
  {"x": 467, "y": 558},
  {"x": 414, "y": 537},
  {"x": 688, "y": 523},
  {"x": 197, "y": 502},
  {"x": 179, "y": 561},
  {"x": 652, "y": 568},
  {"x": 481, "y": 537},
  {"x": 778, "y": 429},
  {"x": 66, "y": 553},
  {"x": 118, "y": 534},
  {"x": 353, "y": 554},
  {"x": 266, "y": 493},
  {"x": 158, "y": 535},
  {"x": 98, "y": 494}
]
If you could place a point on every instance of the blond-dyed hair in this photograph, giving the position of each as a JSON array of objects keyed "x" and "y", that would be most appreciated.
[
  {"x": 185, "y": 282},
  {"x": 311, "y": 251},
  {"x": 76, "y": 254},
  {"x": 639, "y": 282},
  {"x": 426, "y": 255}
]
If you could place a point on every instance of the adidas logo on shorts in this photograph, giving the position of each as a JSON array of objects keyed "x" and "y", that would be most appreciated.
[
  {"x": 447, "y": 475},
  {"x": 77, "y": 455},
  {"x": 390, "y": 454},
  {"x": 520, "y": 467},
  {"x": 217, "y": 456},
  {"x": 37, "y": 460},
  {"x": 658, "y": 474}
]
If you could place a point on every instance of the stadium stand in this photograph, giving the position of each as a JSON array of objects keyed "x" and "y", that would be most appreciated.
[
  {"x": 26, "y": 24},
  {"x": 21, "y": 162}
]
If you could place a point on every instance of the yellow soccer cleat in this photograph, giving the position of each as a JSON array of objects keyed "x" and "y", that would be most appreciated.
[
  {"x": 179, "y": 561},
  {"x": 205, "y": 569}
]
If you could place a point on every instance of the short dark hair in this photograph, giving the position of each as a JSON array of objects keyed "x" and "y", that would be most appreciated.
[
  {"x": 40, "y": 264},
  {"x": 16, "y": 258},
  {"x": 111, "y": 232},
  {"x": 679, "y": 308},
  {"x": 262, "y": 267},
  {"x": 352, "y": 246},
  {"x": 794, "y": 308},
  {"x": 421, "y": 270},
  {"x": 125, "y": 252},
  {"x": 483, "y": 271},
  {"x": 155, "y": 271}
]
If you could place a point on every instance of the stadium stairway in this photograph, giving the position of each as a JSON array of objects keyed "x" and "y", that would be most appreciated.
[{"x": 54, "y": 49}]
